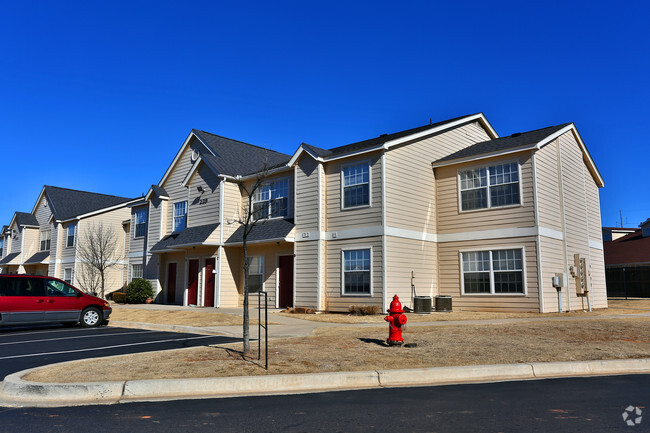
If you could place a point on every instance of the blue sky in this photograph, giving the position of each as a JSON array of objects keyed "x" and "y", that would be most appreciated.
[{"x": 99, "y": 96}]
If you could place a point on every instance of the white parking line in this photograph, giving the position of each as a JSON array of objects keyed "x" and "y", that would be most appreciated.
[
  {"x": 49, "y": 331},
  {"x": 74, "y": 338},
  {"x": 104, "y": 347}
]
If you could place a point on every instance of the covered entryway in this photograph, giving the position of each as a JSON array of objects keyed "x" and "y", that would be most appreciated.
[
  {"x": 208, "y": 299},
  {"x": 285, "y": 280}
]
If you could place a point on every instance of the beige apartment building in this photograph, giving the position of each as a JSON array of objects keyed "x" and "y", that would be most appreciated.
[{"x": 449, "y": 207}]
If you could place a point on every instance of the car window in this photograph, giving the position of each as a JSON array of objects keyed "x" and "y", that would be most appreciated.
[
  {"x": 3, "y": 284},
  {"x": 59, "y": 288},
  {"x": 26, "y": 286}
]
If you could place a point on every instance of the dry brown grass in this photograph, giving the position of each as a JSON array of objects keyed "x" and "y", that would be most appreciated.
[
  {"x": 353, "y": 348},
  {"x": 198, "y": 317},
  {"x": 632, "y": 306}
]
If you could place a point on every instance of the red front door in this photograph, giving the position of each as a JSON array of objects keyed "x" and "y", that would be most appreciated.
[
  {"x": 208, "y": 301},
  {"x": 192, "y": 282},
  {"x": 285, "y": 291},
  {"x": 171, "y": 283}
]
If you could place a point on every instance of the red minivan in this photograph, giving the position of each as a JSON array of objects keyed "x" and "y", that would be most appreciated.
[{"x": 38, "y": 299}]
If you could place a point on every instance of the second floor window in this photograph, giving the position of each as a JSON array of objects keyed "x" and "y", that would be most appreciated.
[
  {"x": 2, "y": 247},
  {"x": 140, "y": 223},
  {"x": 180, "y": 216},
  {"x": 486, "y": 187},
  {"x": 71, "y": 231},
  {"x": 46, "y": 237},
  {"x": 356, "y": 185},
  {"x": 271, "y": 200}
]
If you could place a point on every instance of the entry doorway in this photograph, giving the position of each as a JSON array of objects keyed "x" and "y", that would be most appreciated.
[
  {"x": 171, "y": 283},
  {"x": 208, "y": 299},
  {"x": 192, "y": 282},
  {"x": 285, "y": 281}
]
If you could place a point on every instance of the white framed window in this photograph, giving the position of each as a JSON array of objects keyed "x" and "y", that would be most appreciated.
[
  {"x": 140, "y": 223},
  {"x": 271, "y": 200},
  {"x": 136, "y": 271},
  {"x": 355, "y": 185},
  {"x": 356, "y": 278},
  {"x": 255, "y": 274},
  {"x": 67, "y": 275},
  {"x": 46, "y": 239},
  {"x": 71, "y": 234},
  {"x": 180, "y": 215},
  {"x": 495, "y": 272},
  {"x": 491, "y": 186},
  {"x": 2, "y": 246}
]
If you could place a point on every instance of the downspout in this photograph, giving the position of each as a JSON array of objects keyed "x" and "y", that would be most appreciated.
[
  {"x": 124, "y": 261},
  {"x": 563, "y": 213},
  {"x": 220, "y": 250},
  {"x": 538, "y": 240},
  {"x": 319, "y": 242},
  {"x": 22, "y": 249},
  {"x": 384, "y": 285}
]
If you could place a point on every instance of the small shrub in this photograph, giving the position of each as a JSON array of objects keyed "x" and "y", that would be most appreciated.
[
  {"x": 138, "y": 291},
  {"x": 363, "y": 310},
  {"x": 119, "y": 297},
  {"x": 301, "y": 310}
]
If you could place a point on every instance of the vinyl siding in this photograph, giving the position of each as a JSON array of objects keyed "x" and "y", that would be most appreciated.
[
  {"x": 451, "y": 220},
  {"x": 137, "y": 244},
  {"x": 306, "y": 277},
  {"x": 232, "y": 203},
  {"x": 43, "y": 214},
  {"x": 156, "y": 214},
  {"x": 410, "y": 184},
  {"x": 335, "y": 300},
  {"x": 231, "y": 265},
  {"x": 406, "y": 255},
  {"x": 450, "y": 278},
  {"x": 204, "y": 207},
  {"x": 307, "y": 174},
  {"x": 341, "y": 219},
  {"x": 552, "y": 261},
  {"x": 548, "y": 187},
  {"x": 16, "y": 239},
  {"x": 55, "y": 250}
]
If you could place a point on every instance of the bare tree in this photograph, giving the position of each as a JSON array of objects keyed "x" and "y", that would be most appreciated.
[
  {"x": 97, "y": 250},
  {"x": 88, "y": 279}
]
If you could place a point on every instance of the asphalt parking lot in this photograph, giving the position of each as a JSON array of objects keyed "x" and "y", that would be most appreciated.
[{"x": 28, "y": 347}]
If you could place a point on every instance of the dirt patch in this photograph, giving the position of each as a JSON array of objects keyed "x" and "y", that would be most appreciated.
[
  {"x": 198, "y": 317},
  {"x": 357, "y": 349}
]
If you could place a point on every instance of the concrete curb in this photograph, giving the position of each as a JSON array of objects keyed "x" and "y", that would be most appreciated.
[{"x": 17, "y": 392}]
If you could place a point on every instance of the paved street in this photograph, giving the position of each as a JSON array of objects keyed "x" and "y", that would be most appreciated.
[
  {"x": 27, "y": 347},
  {"x": 557, "y": 405}
]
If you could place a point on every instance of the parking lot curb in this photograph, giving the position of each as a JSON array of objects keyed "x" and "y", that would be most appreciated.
[{"x": 18, "y": 392}]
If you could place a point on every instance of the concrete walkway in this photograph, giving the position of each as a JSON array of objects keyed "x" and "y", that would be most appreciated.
[{"x": 16, "y": 392}]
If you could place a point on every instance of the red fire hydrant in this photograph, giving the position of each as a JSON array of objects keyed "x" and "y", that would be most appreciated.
[{"x": 396, "y": 319}]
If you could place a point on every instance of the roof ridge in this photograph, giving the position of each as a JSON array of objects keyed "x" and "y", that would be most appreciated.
[
  {"x": 88, "y": 192},
  {"x": 242, "y": 142}
]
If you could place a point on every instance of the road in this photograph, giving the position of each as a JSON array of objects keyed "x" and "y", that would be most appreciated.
[
  {"x": 28, "y": 347},
  {"x": 560, "y": 405}
]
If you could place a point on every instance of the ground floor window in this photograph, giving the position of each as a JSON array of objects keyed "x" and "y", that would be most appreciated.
[
  {"x": 493, "y": 271},
  {"x": 67, "y": 275},
  {"x": 356, "y": 272},
  {"x": 255, "y": 274},
  {"x": 136, "y": 271}
]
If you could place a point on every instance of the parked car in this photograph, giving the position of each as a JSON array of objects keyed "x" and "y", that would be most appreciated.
[{"x": 38, "y": 299}]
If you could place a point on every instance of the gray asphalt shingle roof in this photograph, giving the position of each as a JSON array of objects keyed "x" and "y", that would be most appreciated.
[
  {"x": 26, "y": 219},
  {"x": 263, "y": 230},
  {"x": 375, "y": 142},
  {"x": 9, "y": 258},
  {"x": 38, "y": 257},
  {"x": 190, "y": 236},
  {"x": 504, "y": 143},
  {"x": 69, "y": 203},
  {"x": 238, "y": 158},
  {"x": 159, "y": 191}
]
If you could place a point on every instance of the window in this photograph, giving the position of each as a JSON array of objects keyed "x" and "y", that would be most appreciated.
[
  {"x": 356, "y": 185},
  {"x": 71, "y": 230},
  {"x": 140, "y": 223},
  {"x": 271, "y": 200},
  {"x": 486, "y": 187},
  {"x": 67, "y": 275},
  {"x": 2, "y": 246},
  {"x": 136, "y": 271},
  {"x": 57, "y": 288},
  {"x": 356, "y": 272},
  {"x": 180, "y": 216},
  {"x": 45, "y": 240},
  {"x": 493, "y": 272},
  {"x": 255, "y": 274}
]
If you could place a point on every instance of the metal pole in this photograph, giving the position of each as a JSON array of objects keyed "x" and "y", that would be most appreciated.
[{"x": 266, "y": 328}]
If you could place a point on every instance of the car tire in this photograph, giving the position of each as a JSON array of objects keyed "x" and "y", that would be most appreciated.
[{"x": 91, "y": 317}]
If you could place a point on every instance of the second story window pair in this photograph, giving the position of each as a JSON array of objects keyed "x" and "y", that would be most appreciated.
[
  {"x": 180, "y": 216},
  {"x": 140, "y": 223},
  {"x": 486, "y": 187},
  {"x": 356, "y": 185},
  {"x": 271, "y": 200},
  {"x": 46, "y": 238}
]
